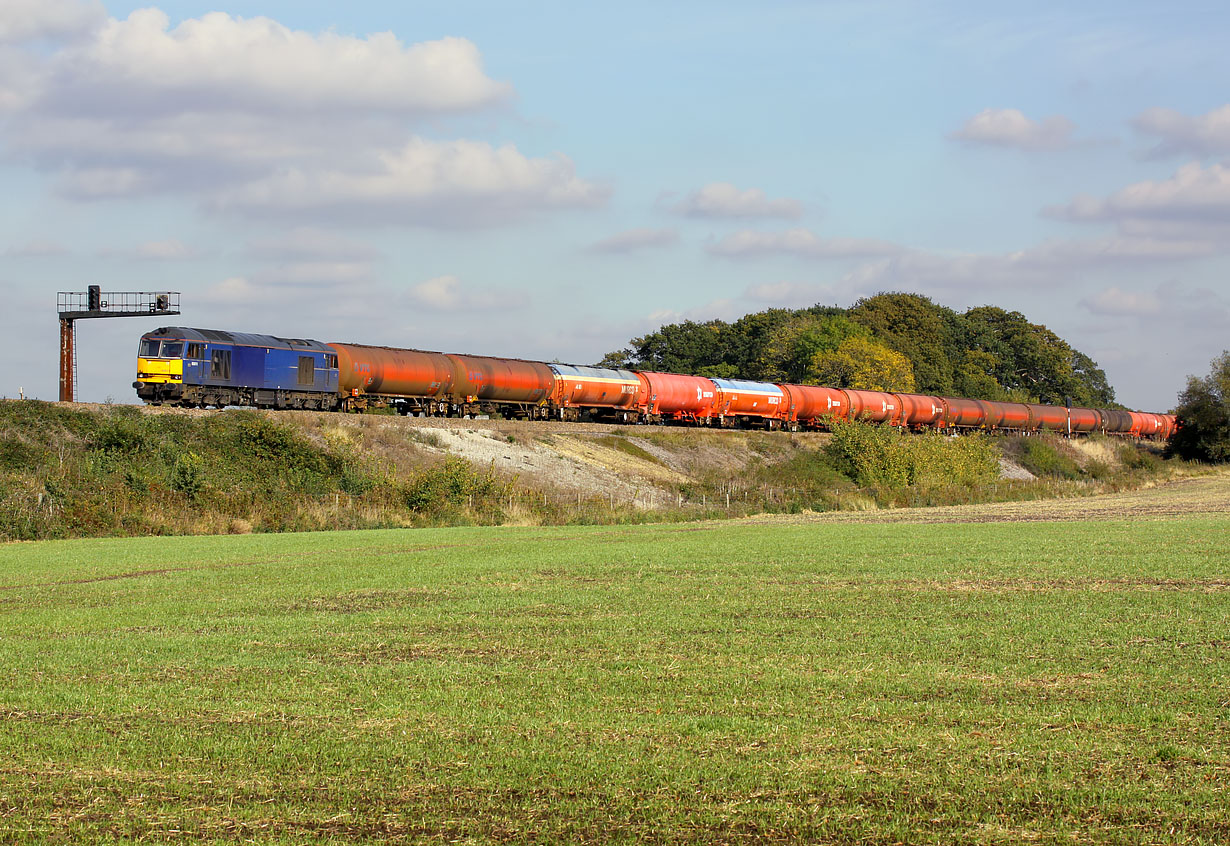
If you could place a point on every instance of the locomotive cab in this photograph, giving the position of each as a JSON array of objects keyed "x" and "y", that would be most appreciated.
[{"x": 160, "y": 367}]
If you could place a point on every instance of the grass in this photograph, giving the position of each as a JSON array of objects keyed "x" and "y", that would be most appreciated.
[{"x": 708, "y": 682}]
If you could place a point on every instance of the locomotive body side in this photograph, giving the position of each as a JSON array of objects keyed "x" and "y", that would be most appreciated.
[{"x": 201, "y": 367}]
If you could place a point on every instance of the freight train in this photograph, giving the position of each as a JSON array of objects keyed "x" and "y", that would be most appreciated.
[{"x": 204, "y": 367}]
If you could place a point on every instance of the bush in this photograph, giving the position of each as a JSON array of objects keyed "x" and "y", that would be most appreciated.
[
  {"x": 882, "y": 456},
  {"x": 451, "y": 485},
  {"x": 188, "y": 474},
  {"x": 1042, "y": 458},
  {"x": 1135, "y": 458}
]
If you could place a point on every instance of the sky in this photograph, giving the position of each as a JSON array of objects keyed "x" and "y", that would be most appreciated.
[{"x": 548, "y": 180}]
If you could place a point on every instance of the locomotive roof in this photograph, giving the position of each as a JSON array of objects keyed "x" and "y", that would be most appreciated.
[{"x": 242, "y": 339}]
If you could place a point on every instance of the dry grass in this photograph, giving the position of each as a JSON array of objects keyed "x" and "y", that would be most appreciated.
[{"x": 1207, "y": 494}]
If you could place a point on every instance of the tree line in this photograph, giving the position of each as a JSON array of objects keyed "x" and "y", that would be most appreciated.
[{"x": 888, "y": 342}]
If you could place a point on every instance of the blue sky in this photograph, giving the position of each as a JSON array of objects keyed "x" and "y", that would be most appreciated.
[{"x": 548, "y": 180}]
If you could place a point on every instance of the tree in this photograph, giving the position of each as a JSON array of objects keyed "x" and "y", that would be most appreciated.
[
  {"x": 1097, "y": 389},
  {"x": 1033, "y": 359},
  {"x": 788, "y": 354},
  {"x": 1204, "y": 416},
  {"x": 744, "y": 341},
  {"x": 929, "y": 335},
  {"x": 862, "y": 363},
  {"x": 675, "y": 348}
]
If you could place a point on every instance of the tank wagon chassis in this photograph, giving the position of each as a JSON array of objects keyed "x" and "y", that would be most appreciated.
[{"x": 203, "y": 367}]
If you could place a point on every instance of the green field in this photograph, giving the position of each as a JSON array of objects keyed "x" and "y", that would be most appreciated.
[{"x": 713, "y": 682}]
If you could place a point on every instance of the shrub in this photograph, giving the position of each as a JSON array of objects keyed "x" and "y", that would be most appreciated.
[
  {"x": 188, "y": 474},
  {"x": 881, "y": 456},
  {"x": 1135, "y": 458},
  {"x": 1041, "y": 458},
  {"x": 450, "y": 485}
]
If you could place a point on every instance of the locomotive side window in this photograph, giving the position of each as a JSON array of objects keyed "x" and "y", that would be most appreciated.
[
  {"x": 195, "y": 351},
  {"x": 307, "y": 370},
  {"x": 331, "y": 362},
  {"x": 220, "y": 365}
]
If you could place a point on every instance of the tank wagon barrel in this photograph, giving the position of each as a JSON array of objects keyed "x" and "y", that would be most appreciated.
[
  {"x": 739, "y": 400},
  {"x": 617, "y": 392},
  {"x": 873, "y": 406}
]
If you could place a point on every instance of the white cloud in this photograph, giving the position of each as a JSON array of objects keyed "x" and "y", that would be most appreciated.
[
  {"x": 800, "y": 242},
  {"x": 723, "y": 200},
  {"x": 1194, "y": 193},
  {"x": 1051, "y": 264},
  {"x": 724, "y": 308},
  {"x": 219, "y": 63},
  {"x": 635, "y": 239},
  {"x": 235, "y": 290},
  {"x": 1011, "y": 128},
  {"x": 447, "y": 294},
  {"x": 250, "y": 116},
  {"x": 1178, "y": 134},
  {"x": 452, "y": 183},
  {"x": 33, "y": 20},
  {"x": 1171, "y": 304}
]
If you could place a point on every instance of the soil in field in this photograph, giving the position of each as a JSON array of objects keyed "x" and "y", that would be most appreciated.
[{"x": 1202, "y": 495}]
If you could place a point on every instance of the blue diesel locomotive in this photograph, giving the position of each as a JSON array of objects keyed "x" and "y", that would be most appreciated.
[{"x": 205, "y": 367}]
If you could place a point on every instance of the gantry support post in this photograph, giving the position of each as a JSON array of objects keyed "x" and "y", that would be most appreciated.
[{"x": 68, "y": 331}]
